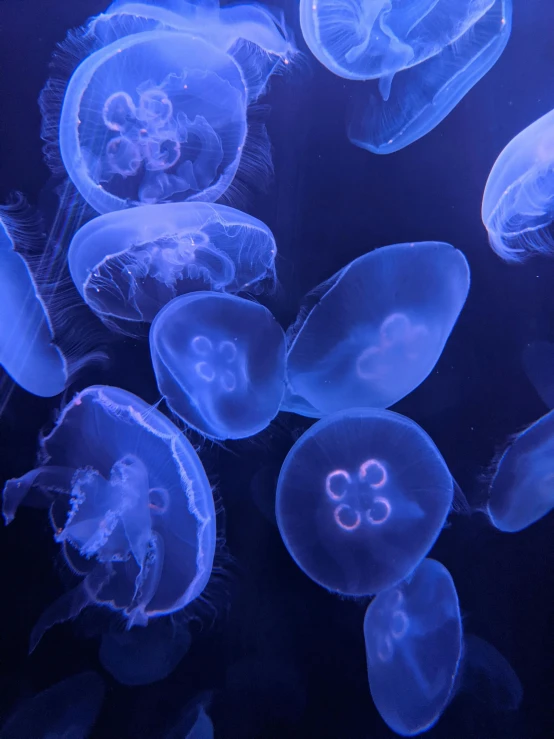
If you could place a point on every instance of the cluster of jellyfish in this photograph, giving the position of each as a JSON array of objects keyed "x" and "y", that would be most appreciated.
[{"x": 151, "y": 129}]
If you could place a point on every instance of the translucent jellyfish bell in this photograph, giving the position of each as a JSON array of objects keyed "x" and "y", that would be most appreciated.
[
  {"x": 220, "y": 363},
  {"x": 129, "y": 503},
  {"x": 518, "y": 202},
  {"x": 375, "y": 330},
  {"x": 129, "y": 264},
  {"x": 538, "y": 363},
  {"x": 361, "y": 498},
  {"x": 413, "y": 640},
  {"x": 67, "y": 710},
  {"x": 27, "y": 351},
  {"x": 522, "y": 489}
]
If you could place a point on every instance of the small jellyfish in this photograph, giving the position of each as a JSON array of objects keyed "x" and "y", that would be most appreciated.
[
  {"x": 194, "y": 722},
  {"x": 67, "y": 710},
  {"x": 376, "y": 329},
  {"x": 361, "y": 498},
  {"x": 518, "y": 202},
  {"x": 129, "y": 264},
  {"x": 156, "y": 111},
  {"x": 130, "y": 504},
  {"x": 144, "y": 656},
  {"x": 27, "y": 349},
  {"x": 413, "y": 641},
  {"x": 522, "y": 488},
  {"x": 219, "y": 362}
]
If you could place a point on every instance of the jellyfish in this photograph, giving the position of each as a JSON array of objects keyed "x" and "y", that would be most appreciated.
[
  {"x": 129, "y": 264},
  {"x": 423, "y": 95},
  {"x": 67, "y": 709},
  {"x": 522, "y": 488},
  {"x": 413, "y": 641},
  {"x": 373, "y": 332},
  {"x": 129, "y": 503},
  {"x": 194, "y": 722},
  {"x": 144, "y": 656},
  {"x": 27, "y": 349},
  {"x": 219, "y": 362},
  {"x": 361, "y": 498},
  {"x": 538, "y": 363},
  {"x": 157, "y": 109},
  {"x": 518, "y": 202}
]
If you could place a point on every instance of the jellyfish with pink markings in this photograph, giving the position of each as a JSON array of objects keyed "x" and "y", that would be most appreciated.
[{"x": 361, "y": 499}]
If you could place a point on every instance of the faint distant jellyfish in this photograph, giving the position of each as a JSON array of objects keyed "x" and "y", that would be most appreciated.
[
  {"x": 219, "y": 362},
  {"x": 144, "y": 656},
  {"x": 374, "y": 331},
  {"x": 522, "y": 489},
  {"x": 420, "y": 97},
  {"x": 361, "y": 498},
  {"x": 518, "y": 202},
  {"x": 194, "y": 722},
  {"x": 27, "y": 351},
  {"x": 413, "y": 640},
  {"x": 66, "y": 710},
  {"x": 129, "y": 502},
  {"x": 129, "y": 264}
]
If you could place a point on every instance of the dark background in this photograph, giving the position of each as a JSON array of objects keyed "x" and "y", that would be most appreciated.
[{"x": 282, "y": 656}]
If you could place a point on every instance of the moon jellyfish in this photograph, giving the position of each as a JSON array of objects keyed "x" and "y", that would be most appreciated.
[
  {"x": 27, "y": 349},
  {"x": 67, "y": 709},
  {"x": 518, "y": 203},
  {"x": 413, "y": 641},
  {"x": 194, "y": 722},
  {"x": 220, "y": 363},
  {"x": 129, "y": 503},
  {"x": 129, "y": 264},
  {"x": 157, "y": 109},
  {"x": 373, "y": 332},
  {"x": 144, "y": 656},
  {"x": 522, "y": 489},
  {"x": 538, "y": 363},
  {"x": 361, "y": 498}
]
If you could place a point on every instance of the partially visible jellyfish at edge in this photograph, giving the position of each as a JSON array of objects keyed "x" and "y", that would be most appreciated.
[
  {"x": 130, "y": 504},
  {"x": 373, "y": 332},
  {"x": 194, "y": 722},
  {"x": 361, "y": 499},
  {"x": 128, "y": 264},
  {"x": 219, "y": 362},
  {"x": 518, "y": 202}
]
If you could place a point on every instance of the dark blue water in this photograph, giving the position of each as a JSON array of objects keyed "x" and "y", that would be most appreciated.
[{"x": 283, "y": 657}]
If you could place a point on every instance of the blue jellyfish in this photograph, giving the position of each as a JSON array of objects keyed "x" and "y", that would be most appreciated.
[
  {"x": 518, "y": 202},
  {"x": 27, "y": 349},
  {"x": 130, "y": 504},
  {"x": 375, "y": 330},
  {"x": 66, "y": 710},
  {"x": 128, "y": 264},
  {"x": 361, "y": 498},
  {"x": 522, "y": 488},
  {"x": 538, "y": 363},
  {"x": 422, "y": 96},
  {"x": 194, "y": 722},
  {"x": 157, "y": 110},
  {"x": 144, "y": 656},
  {"x": 220, "y": 363},
  {"x": 413, "y": 641}
]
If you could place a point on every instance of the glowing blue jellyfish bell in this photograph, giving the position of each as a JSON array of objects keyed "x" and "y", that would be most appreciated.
[
  {"x": 156, "y": 111},
  {"x": 130, "y": 504},
  {"x": 128, "y": 264},
  {"x": 219, "y": 362},
  {"x": 361, "y": 499},
  {"x": 373, "y": 332}
]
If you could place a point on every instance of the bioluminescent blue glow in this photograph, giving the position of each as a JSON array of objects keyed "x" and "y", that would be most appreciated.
[
  {"x": 128, "y": 264},
  {"x": 157, "y": 109},
  {"x": 27, "y": 351},
  {"x": 361, "y": 498},
  {"x": 413, "y": 641},
  {"x": 147, "y": 655},
  {"x": 376, "y": 329},
  {"x": 522, "y": 489},
  {"x": 66, "y": 710},
  {"x": 518, "y": 203},
  {"x": 538, "y": 363},
  {"x": 130, "y": 504},
  {"x": 219, "y": 362}
]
